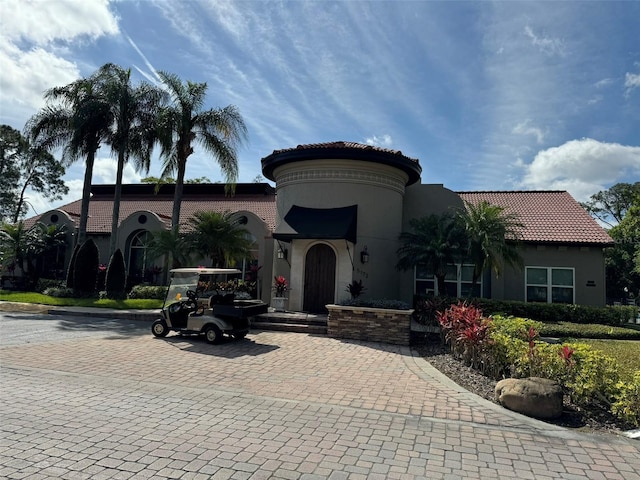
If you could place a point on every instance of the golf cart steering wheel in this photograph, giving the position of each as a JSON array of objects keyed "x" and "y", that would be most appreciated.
[{"x": 192, "y": 303}]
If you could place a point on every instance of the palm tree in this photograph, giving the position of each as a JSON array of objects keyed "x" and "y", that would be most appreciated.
[
  {"x": 219, "y": 237},
  {"x": 435, "y": 242},
  {"x": 173, "y": 246},
  {"x": 492, "y": 236},
  {"x": 220, "y": 131},
  {"x": 134, "y": 110},
  {"x": 19, "y": 246},
  {"x": 53, "y": 239},
  {"x": 76, "y": 118}
]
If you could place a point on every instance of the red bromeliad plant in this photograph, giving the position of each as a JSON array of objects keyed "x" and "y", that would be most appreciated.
[
  {"x": 465, "y": 330},
  {"x": 280, "y": 285}
]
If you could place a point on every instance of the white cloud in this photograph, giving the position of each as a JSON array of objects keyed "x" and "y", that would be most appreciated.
[
  {"x": 631, "y": 81},
  {"x": 25, "y": 75},
  {"x": 42, "y": 22},
  {"x": 525, "y": 128},
  {"x": 105, "y": 169},
  {"x": 582, "y": 167},
  {"x": 547, "y": 45},
  {"x": 35, "y": 48},
  {"x": 605, "y": 82},
  {"x": 384, "y": 141}
]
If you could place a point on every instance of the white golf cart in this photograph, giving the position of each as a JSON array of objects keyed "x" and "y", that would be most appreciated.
[{"x": 198, "y": 302}]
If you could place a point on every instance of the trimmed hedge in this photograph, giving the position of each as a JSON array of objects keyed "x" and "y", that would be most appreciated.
[
  {"x": 116, "y": 278},
  {"x": 85, "y": 269},
  {"x": 542, "y": 312},
  {"x": 148, "y": 291}
]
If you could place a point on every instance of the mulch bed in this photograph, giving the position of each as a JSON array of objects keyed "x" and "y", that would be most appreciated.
[{"x": 594, "y": 420}]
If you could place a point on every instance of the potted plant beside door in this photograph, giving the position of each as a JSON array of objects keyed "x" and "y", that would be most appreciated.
[{"x": 280, "y": 287}]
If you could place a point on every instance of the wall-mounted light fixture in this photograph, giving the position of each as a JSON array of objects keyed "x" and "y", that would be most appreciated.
[
  {"x": 282, "y": 253},
  {"x": 364, "y": 255}
]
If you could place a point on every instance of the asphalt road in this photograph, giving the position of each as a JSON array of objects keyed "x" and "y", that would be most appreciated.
[{"x": 18, "y": 328}]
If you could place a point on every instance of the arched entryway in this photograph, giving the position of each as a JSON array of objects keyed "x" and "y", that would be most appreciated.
[
  {"x": 139, "y": 262},
  {"x": 319, "y": 278}
]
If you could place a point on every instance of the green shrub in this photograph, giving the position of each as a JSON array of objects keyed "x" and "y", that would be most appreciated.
[
  {"x": 593, "y": 376},
  {"x": 58, "y": 292},
  {"x": 44, "y": 283},
  {"x": 377, "y": 303},
  {"x": 426, "y": 308},
  {"x": 573, "y": 330},
  {"x": 509, "y": 347},
  {"x": 555, "y": 312},
  {"x": 85, "y": 269},
  {"x": 627, "y": 403},
  {"x": 72, "y": 264},
  {"x": 515, "y": 327},
  {"x": 116, "y": 279},
  {"x": 148, "y": 291}
]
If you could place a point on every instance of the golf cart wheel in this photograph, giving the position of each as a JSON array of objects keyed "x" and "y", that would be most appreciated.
[
  {"x": 239, "y": 335},
  {"x": 159, "y": 328},
  {"x": 212, "y": 334}
]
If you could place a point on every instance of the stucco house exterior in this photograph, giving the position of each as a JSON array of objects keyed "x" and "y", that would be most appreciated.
[{"x": 335, "y": 216}]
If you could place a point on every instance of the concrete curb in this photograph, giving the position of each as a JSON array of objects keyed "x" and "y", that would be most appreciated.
[{"x": 141, "y": 315}]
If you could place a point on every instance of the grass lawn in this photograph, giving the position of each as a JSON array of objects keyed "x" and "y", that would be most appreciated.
[
  {"x": 30, "y": 297},
  {"x": 626, "y": 352}
]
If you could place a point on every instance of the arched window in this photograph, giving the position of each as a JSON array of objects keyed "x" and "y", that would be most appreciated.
[{"x": 138, "y": 260}]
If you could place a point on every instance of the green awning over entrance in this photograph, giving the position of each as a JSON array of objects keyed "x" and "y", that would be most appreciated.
[{"x": 321, "y": 223}]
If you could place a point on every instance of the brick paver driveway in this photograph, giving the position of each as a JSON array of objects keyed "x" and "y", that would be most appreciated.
[{"x": 107, "y": 400}]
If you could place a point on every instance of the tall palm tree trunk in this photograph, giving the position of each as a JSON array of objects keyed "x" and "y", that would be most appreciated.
[
  {"x": 113, "y": 242},
  {"x": 86, "y": 195},
  {"x": 177, "y": 196}
]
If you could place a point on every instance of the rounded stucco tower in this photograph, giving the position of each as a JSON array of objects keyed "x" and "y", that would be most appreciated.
[{"x": 339, "y": 216}]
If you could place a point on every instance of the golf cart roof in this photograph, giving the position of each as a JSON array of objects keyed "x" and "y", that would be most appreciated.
[{"x": 206, "y": 271}]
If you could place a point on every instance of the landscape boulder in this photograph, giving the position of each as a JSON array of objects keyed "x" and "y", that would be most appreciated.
[{"x": 534, "y": 397}]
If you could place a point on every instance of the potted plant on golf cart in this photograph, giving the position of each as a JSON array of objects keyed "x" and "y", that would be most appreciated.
[{"x": 280, "y": 287}]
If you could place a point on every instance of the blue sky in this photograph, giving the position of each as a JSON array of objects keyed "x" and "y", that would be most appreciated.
[{"x": 487, "y": 95}]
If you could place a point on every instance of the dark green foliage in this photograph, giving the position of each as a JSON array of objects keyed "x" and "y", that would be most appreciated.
[
  {"x": 45, "y": 283},
  {"x": 116, "y": 279},
  {"x": 355, "y": 289},
  {"x": 572, "y": 330},
  {"x": 58, "y": 292},
  {"x": 434, "y": 242},
  {"x": 542, "y": 312},
  {"x": 377, "y": 303},
  {"x": 219, "y": 237},
  {"x": 148, "y": 291},
  {"x": 72, "y": 263},
  {"x": 85, "y": 269}
]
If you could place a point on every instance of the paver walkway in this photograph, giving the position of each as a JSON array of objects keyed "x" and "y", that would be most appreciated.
[{"x": 277, "y": 405}]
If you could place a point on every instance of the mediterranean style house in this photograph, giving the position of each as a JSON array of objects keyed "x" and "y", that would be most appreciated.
[{"x": 335, "y": 216}]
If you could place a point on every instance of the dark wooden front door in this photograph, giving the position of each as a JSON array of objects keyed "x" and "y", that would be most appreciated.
[{"x": 319, "y": 278}]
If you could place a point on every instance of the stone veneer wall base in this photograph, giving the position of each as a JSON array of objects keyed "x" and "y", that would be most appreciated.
[{"x": 369, "y": 324}]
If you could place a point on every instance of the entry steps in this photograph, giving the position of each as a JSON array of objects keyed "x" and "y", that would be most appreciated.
[{"x": 299, "y": 322}]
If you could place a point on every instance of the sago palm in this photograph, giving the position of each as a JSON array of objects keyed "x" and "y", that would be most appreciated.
[{"x": 183, "y": 122}]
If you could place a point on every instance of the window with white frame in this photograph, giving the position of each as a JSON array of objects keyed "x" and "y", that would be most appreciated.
[
  {"x": 458, "y": 281},
  {"x": 550, "y": 284}
]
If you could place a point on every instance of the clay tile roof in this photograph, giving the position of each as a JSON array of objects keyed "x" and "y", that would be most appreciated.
[
  {"x": 548, "y": 216},
  {"x": 343, "y": 144},
  {"x": 100, "y": 207}
]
